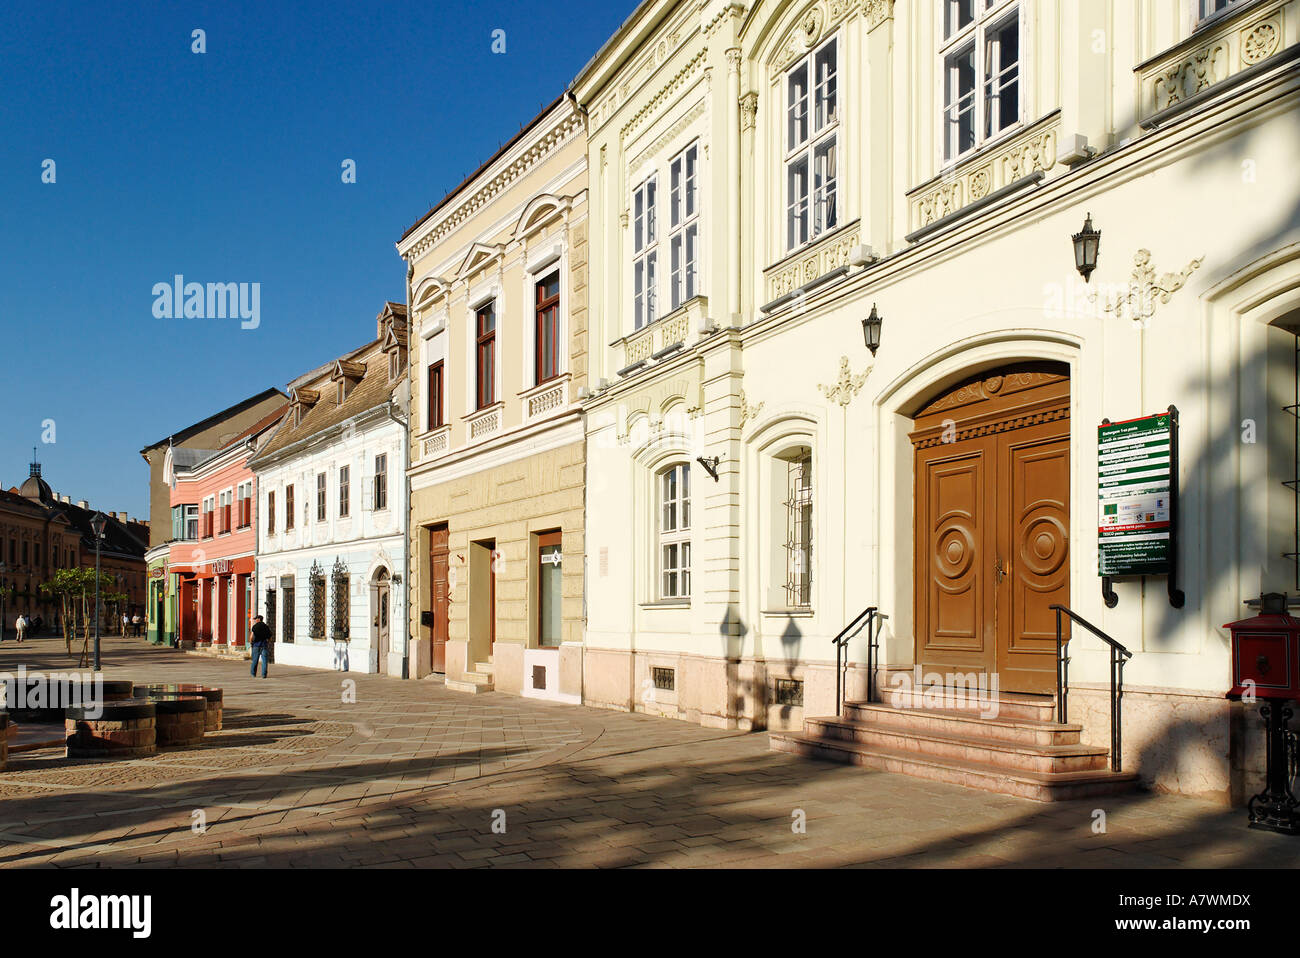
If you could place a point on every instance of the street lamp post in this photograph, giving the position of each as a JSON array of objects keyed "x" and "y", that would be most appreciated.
[{"x": 97, "y": 523}]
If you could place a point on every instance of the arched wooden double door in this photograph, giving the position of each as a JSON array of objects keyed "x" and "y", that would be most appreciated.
[{"x": 992, "y": 512}]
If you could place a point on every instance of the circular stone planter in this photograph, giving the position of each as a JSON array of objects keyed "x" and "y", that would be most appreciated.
[
  {"x": 125, "y": 728},
  {"x": 212, "y": 694},
  {"x": 180, "y": 719},
  {"x": 52, "y": 711}
]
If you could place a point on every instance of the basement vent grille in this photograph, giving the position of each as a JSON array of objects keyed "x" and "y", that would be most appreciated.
[
  {"x": 539, "y": 677},
  {"x": 665, "y": 679},
  {"x": 789, "y": 692}
]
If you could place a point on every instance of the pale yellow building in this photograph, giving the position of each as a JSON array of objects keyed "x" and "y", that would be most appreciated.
[{"x": 498, "y": 292}]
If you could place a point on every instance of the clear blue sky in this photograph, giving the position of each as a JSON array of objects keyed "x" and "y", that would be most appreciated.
[{"x": 226, "y": 167}]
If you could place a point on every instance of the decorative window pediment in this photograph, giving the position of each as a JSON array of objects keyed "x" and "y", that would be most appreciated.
[
  {"x": 478, "y": 257},
  {"x": 540, "y": 211}
]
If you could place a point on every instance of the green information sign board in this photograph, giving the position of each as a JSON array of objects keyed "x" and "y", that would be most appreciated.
[{"x": 1135, "y": 496}]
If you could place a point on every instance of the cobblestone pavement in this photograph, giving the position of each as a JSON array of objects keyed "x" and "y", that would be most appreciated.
[{"x": 412, "y": 775}]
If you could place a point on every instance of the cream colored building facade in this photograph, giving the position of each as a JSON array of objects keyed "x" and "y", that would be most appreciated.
[
  {"x": 498, "y": 287},
  {"x": 763, "y": 176}
]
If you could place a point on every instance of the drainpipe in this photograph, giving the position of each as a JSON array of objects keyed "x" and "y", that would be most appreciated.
[{"x": 406, "y": 475}]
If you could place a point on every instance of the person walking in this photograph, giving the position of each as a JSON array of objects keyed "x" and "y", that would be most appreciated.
[
  {"x": 20, "y": 626},
  {"x": 135, "y": 624},
  {"x": 261, "y": 644}
]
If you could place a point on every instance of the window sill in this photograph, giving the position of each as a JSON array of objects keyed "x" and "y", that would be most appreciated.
[
  {"x": 667, "y": 604},
  {"x": 798, "y": 612}
]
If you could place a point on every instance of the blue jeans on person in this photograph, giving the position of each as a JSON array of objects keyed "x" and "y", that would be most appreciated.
[{"x": 260, "y": 651}]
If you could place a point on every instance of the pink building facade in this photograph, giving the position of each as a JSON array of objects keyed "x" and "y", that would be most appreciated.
[{"x": 214, "y": 540}]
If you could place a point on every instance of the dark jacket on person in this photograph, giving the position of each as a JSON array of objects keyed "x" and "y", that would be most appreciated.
[{"x": 261, "y": 633}]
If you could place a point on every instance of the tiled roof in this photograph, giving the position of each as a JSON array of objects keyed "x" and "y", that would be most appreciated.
[
  {"x": 180, "y": 436},
  {"x": 373, "y": 390}
]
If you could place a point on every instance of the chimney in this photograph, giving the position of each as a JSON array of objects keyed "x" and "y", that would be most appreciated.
[{"x": 83, "y": 503}]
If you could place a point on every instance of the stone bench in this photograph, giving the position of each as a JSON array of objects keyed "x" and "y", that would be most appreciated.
[
  {"x": 123, "y": 728},
  {"x": 211, "y": 694}
]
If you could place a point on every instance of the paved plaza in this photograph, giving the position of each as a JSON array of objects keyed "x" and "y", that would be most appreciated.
[{"x": 412, "y": 775}]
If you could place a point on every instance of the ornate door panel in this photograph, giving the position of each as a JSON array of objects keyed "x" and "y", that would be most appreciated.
[
  {"x": 438, "y": 561},
  {"x": 1036, "y": 501},
  {"x": 992, "y": 512},
  {"x": 954, "y": 543}
]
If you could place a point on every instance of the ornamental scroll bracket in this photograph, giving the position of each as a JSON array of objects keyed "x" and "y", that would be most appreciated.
[
  {"x": 847, "y": 386},
  {"x": 1146, "y": 290}
]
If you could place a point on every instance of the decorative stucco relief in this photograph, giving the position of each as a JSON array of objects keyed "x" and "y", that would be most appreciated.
[
  {"x": 1146, "y": 289},
  {"x": 748, "y": 412},
  {"x": 820, "y": 260},
  {"x": 847, "y": 386}
]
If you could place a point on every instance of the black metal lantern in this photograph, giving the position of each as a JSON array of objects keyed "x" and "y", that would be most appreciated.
[
  {"x": 1086, "y": 243},
  {"x": 871, "y": 329}
]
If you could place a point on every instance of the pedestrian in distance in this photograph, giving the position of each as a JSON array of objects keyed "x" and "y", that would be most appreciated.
[
  {"x": 20, "y": 626},
  {"x": 125, "y": 621},
  {"x": 261, "y": 644},
  {"x": 135, "y": 624}
]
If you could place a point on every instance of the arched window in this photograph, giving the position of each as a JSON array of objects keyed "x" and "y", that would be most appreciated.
[
  {"x": 673, "y": 490},
  {"x": 798, "y": 526}
]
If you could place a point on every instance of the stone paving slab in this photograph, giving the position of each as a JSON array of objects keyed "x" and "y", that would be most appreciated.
[{"x": 409, "y": 774}]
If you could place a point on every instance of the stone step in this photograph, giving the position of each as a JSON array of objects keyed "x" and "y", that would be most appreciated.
[
  {"x": 1038, "y": 786},
  {"x": 1008, "y": 755},
  {"x": 474, "y": 685},
  {"x": 970, "y": 725},
  {"x": 484, "y": 668},
  {"x": 995, "y": 704}
]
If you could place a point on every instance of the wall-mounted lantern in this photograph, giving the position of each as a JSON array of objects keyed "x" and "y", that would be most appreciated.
[
  {"x": 871, "y": 329},
  {"x": 1086, "y": 243}
]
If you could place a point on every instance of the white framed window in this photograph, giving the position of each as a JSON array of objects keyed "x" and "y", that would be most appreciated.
[
  {"x": 345, "y": 491},
  {"x": 674, "y": 541},
  {"x": 812, "y": 139},
  {"x": 321, "y": 480},
  {"x": 980, "y": 56},
  {"x": 684, "y": 225},
  {"x": 645, "y": 254},
  {"x": 1208, "y": 8}
]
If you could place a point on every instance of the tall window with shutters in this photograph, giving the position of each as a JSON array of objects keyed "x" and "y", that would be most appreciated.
[
  {"x": 435, "y": 410},
  {"x": 547, "y": 333},
  {"x": 381, "y": 482},
  {"x": 485, "y": 323},
  {"x": 288, "y": 508},
  {"x": 345, "y": 491},
  {"x": 812, "y": 127}
]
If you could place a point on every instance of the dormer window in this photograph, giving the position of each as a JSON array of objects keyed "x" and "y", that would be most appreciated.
[{"x": 303, "y": 400}]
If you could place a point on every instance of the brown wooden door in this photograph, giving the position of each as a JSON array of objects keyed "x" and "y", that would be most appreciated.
[
  {"x": 439, "y": 599},
  {"x": 381, "y": 622},
  {"x": 992, "y": 516}
]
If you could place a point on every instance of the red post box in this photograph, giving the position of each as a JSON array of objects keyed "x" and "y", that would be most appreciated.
[{"x": 1266, "y": 652}]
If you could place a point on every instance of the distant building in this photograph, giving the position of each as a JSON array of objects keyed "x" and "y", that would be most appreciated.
[{"x": 42, "y": 532}]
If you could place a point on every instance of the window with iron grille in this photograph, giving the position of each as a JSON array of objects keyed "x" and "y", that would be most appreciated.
[
  {"x": 798, "y": 529},
  {"x": 269, "y": 617},
  {"x": 664, "y": 679},
  {"x": 316, "y": 602},
  {"x": 789, "y": 692},
  {"x": 342, "y": 610},
  {"x": 286, "y": 614}
]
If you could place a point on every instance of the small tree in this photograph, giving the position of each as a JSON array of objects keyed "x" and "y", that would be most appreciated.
[{"x": 76, "y": 588}]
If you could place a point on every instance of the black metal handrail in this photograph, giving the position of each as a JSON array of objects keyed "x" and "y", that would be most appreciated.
[
  {"x": 1118, "y": 656},
  {"x": 865, "y": 619}
]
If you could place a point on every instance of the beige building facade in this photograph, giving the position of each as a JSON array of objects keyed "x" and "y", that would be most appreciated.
[{"x": 498, "y": 293}]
